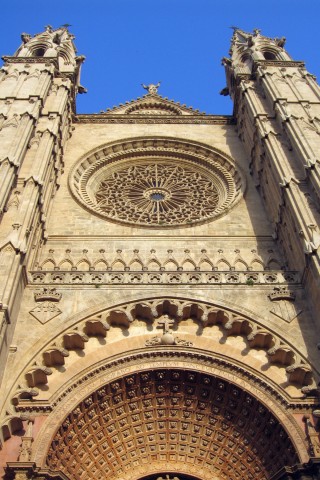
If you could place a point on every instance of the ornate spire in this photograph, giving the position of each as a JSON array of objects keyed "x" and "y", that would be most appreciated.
[
  {"x": 52, "y": 43},
  {"x": 245, "y": 45}
]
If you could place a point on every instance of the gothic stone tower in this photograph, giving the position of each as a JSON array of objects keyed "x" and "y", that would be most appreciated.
[{"x": 159, "y": 274}]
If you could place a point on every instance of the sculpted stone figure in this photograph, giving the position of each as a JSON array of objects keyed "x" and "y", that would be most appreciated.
[{"x": 151, "y": 88}]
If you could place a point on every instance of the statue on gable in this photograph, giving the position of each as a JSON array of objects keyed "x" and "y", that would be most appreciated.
[{"x": 151, "y": 88}]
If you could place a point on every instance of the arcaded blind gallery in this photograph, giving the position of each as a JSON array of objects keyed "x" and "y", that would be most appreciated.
[{"x": 159, "y": 280}]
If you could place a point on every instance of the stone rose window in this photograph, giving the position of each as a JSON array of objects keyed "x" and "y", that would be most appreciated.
[{"x": 157, "y": 183}]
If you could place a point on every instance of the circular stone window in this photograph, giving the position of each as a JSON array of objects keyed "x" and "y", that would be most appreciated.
[{"x": 157, "y": 183}]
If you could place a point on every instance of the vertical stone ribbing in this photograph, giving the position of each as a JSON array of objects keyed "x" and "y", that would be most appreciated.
[
  {"x": 277, "y": 106},
  {"x": 36, "y": 98}
]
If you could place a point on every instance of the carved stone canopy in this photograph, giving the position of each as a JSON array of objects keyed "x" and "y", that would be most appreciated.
[{"x": 168, "y": 420}]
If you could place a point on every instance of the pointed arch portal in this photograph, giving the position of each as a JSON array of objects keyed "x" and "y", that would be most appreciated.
[
  {"x": 165, "y": 410},
  {"x": 170, "y": 419}
]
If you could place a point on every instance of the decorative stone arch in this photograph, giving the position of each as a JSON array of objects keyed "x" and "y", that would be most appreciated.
[
  {"x": 96, "y": 322},
  {"x": 153, "y": 107},
  {"x": 198, "y": 410}
]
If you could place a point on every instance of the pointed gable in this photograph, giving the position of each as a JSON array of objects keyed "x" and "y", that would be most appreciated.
[{"x": 152, "y": 104}]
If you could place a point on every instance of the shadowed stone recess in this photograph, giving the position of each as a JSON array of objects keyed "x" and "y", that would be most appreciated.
[{"x": 171, "y": 417}]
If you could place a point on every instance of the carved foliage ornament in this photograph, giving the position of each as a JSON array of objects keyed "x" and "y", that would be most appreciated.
[{"x": 157, "y": 182}]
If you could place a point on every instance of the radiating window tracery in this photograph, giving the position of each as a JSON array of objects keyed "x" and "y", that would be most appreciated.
[{"x": 157, "y": 192}]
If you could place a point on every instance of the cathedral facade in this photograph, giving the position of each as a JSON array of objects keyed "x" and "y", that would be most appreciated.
[{"x": 159, "y": 274}]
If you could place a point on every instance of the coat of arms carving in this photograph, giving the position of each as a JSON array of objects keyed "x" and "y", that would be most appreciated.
[
  {"x": 46, "y": 308},
  {"x": 284, "y": 307}
]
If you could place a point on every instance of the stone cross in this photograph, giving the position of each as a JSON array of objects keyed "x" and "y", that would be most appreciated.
[{"x": 165, "y": 322}]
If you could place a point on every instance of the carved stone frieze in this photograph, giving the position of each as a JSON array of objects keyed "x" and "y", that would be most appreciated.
[
  {"x": 46, "y": 60},
  {"x": 278, "y": 63},
  {"x": 164, "y": 277},
  {"x": 160, "y": 119},
  {"x": 219, "y": 260}
]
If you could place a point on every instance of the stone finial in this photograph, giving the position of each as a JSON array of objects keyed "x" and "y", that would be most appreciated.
[
  {"x": 25, "y": 37},
  {"x": 152, "y": 89}
]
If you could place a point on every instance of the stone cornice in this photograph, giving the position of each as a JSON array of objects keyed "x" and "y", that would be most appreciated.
[
  {"x": 156, "y": 119},
  {"x": 45, "y": 60},
  {"x": 279, "y": 63}
]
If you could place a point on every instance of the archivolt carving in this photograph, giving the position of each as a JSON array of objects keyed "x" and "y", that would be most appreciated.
[
  {"x": 170, "y": 416},
  {"x": 164, "y": 182},
  {"x": 278, "y": 351},
  {"x": 130, "y": 364}
]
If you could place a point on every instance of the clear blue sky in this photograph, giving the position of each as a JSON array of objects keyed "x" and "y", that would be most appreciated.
[{"x": 180, "y": 42}]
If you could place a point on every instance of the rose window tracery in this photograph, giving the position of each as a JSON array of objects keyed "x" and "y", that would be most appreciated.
[
  {"x": 156, "y": 193},
  {"x": 157, "y": 182}
]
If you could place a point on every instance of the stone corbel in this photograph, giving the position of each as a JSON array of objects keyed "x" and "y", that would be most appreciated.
[{"x": 24, "y": 392}]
